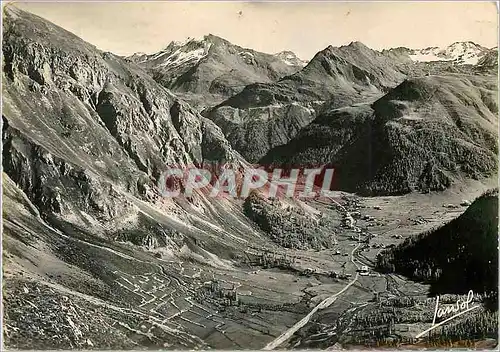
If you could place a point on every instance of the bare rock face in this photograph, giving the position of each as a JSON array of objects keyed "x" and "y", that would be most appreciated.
[
  {"x": 57, "y": 187},
  {"x": 83, "y": 127},
  {"x": 150, "y": 125},
  {"x": 489, "y": 62},
  {"x": 255, "y": 131}
]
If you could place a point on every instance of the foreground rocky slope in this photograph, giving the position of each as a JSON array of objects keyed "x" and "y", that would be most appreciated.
[{"x": 424, "y": 135}]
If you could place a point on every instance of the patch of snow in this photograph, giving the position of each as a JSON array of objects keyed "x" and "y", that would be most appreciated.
[
  {"x": 419, "y": 57},
  {"x": 288, "y": 62},
  {"x": 178, "y": 52},
  {"x": 471, "y": 60},
  {"x": 246, "y": 53},
  {"x": 248, "y": 57},
  {"x": 158, "y": 55},
  {"x": 459, "y": 52},
  {"x": 179, "y": 56},
  {"x": 289, "y": 58}
]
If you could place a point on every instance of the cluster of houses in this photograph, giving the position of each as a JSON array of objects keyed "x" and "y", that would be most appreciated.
[{"x": 224, "y": 295}]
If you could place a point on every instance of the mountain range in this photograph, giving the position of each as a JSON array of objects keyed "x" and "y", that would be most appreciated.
[
  {"x": 459, "y": 53},
  {"x": 95, "y": 257},
  {"x": 424, "y": 134},
  {"x": 212, "y": 67}
]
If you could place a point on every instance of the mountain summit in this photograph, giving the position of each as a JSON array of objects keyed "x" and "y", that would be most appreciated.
[
  {"x": 96, "y": 255},
  {"x": 425, "y": 134},
  {"x": 273, "y": 113},
  {"x": 213, "y": 69}
]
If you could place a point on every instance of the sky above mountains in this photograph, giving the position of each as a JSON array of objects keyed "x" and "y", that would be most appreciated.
[{"x": 305, "y": 28}]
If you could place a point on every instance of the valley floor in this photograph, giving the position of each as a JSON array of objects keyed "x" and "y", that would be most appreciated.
[{"x": 179, "y": 302}]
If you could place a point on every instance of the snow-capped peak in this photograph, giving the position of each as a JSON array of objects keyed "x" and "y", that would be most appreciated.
[
  {"x": 190, "y": 50},
  {"x": 459, "y": 52},
  {"x": 290, "y": 58}
]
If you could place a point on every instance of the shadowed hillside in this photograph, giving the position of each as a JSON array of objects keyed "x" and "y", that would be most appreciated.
[
  {"x": 264, "y": 116},
  {"x": 423, "y": 135},
  {"x": 456, "y": 258}
]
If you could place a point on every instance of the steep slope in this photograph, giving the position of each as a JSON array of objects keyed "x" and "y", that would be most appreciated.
[
  {"x": 85, "y": 135},
  {"x": 423, "y": 135},
  {"x": 93, "y": 256},
  {"x": 458, "y": 257},
  {"x": 212, "y": 69},
  {"x": 488, "y": 63},
  {"x": 264, "y": 116},
  {"x": 83, "y": 130}
]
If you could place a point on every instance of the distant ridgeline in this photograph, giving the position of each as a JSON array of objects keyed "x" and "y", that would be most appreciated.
[{"x": 460, "y": 256}]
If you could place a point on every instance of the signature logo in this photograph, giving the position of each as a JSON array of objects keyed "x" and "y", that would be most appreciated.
[{"x": 460, "y": 307}]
